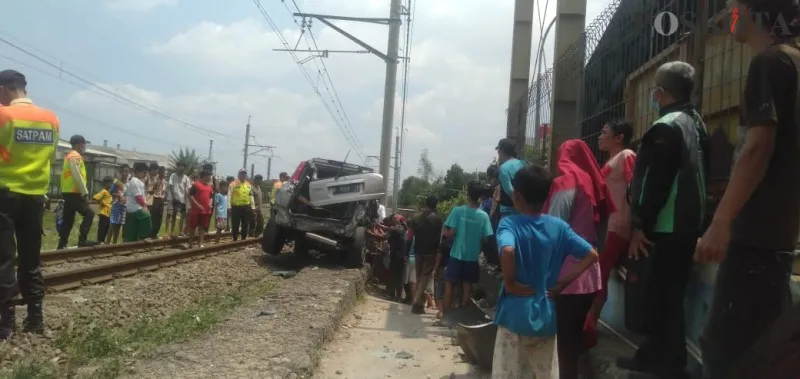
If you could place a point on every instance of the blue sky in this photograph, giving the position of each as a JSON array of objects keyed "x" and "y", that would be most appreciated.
[{"x": 210, "y": 64}]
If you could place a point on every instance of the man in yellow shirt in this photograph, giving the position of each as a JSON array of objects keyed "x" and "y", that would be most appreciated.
[
  {"x": 103, "y": 199},
  {"x": 75, "y": 194},
  {"x": 28, "y": 140},
  {"x": 241, "y": 204}
]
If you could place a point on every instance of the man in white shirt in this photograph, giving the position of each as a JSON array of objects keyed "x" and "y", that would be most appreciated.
[
  {"x": 138, "y": 224},
  {"x": 381, "y": 212},
  {"x": 178, "y": 187}
]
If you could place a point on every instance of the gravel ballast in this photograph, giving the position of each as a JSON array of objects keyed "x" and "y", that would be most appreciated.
[
  {"x": 123, "y": 301},
  {"x": 280, "y": 336}
]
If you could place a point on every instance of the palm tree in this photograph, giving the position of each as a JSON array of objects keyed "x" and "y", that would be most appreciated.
[{"x": 188, "y": 157}]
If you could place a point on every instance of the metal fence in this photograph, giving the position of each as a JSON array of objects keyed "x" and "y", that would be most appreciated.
[{"x": 613, "y": 64}]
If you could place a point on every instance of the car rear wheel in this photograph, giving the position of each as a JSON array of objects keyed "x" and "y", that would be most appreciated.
[
  {"x": 273, "y": 239},
  {"x": 358, "y": 250}
]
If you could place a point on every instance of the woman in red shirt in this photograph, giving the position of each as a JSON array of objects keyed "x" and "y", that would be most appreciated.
[{"x": 200, "y": 195}]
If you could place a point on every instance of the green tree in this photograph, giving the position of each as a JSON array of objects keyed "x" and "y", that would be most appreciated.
[
  {"x": 188, "y": 157},
  {"x": 425, "y": 169},
  {"x": 444, "y": 207},
  {"x": 411, "y": 190},
  {"x": 455, "y": 178},
  {"x": 535, "y": 155}
]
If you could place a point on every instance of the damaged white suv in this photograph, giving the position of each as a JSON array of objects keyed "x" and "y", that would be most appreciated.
[{"x": 327, "y": 206}]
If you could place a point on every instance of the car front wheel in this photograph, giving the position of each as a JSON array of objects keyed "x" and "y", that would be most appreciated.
[
  {"x": 358, "y": 250},
  {"x": 272, "y": 240}
]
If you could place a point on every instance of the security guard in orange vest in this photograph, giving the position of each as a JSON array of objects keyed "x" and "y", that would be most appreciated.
[
  {"x": 241, "y": 205},
  {"x": 75, "y": 194},
  {"x": 28, "y": 140}
]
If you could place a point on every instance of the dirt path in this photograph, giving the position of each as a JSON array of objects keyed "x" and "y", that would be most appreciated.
[{"x": 383, "y": 339}]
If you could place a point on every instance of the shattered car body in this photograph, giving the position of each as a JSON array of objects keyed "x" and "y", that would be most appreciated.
[{"x": 327, "y": 206}]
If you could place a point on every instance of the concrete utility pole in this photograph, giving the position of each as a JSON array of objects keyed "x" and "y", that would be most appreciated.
[
  {"x": 539, "y": 77},
  {"x": 520, "y": 71},
  {"x": 211, "y": 156},
  {"x": 248, "y": 145},
  {"x": 252, "y": 170},
  {"x": 391, "y": 59},
  {"x": 246, "y": 142},
  {"x": 269, "y": 167},
  {"x": 396, "y": 170},
  {"x": 570, "y": 25}
]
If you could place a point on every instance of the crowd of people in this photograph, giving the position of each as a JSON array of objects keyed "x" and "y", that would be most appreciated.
[
  {"x": 558, "y": 237},
  {"x": 134, "y": 204}
]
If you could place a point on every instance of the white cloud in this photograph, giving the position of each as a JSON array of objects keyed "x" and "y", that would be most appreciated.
[
  {"x": 458, "y": 82},
  {"x": 295, "y": 123},
  {"x": 138, "y": 5}
]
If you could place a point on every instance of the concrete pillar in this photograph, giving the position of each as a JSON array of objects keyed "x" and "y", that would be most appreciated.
[
  {"x": 520, "y": 71},
  {"x": 567, "y": 69}
]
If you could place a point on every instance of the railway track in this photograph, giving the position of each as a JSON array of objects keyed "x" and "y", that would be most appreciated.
[
  {"x": 70, "y": 279},
  {"x": 56, "y": 257}
]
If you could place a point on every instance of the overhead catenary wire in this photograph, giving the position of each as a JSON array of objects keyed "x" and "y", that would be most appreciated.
[
  {"x": 100, "y": 90},
  {"x": 410, "y": 8},
  {"x": 65, "y": 110},
  {"x": 340, "y": 121},
  {"x": 307, "y": 34}
]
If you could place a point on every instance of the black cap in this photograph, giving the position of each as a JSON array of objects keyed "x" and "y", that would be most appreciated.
[
  {"x": 507, "y": 146},
  {"x": 12, "y": 78},
  {"x": 76, "y": 139}
]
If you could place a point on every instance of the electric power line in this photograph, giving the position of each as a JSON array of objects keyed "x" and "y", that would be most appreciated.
[
  {"x": 411, "y": 8},
  {"x": 340, "y": 122},
  {"x": 97, "y": 89},
  {"x": 54, "y": 105},
  {"x": 322, "y": 69}
]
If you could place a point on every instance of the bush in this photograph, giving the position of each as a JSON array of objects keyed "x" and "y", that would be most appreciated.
[{"x": 444, "y": 207}]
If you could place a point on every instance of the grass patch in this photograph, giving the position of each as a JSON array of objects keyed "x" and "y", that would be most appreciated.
[
  {"x": 33, "y": 369},
  {"x": 103, "y": 347}
]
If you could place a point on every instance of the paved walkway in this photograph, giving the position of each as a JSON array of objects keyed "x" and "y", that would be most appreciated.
[{"x": 383, "y": 339}]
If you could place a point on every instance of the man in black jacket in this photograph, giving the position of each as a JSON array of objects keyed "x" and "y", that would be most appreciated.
[{"x": 667, "y": 204}]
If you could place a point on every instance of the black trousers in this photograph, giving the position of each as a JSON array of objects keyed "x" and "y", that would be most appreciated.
[
  {"x": 240, "y": 216},
  {"x": 396, "y": 270},
  {"x": 571, "y": 311},
  {"x": 157, "y": 215},
  {"x": 751, "y": 292},
  {"x": 256, "y": 223},
  {"x": 103, "y": 223},
  {"x": 21, "y": 217},
  {"x": 75, "y": 203},
  {"x": 661, "y": 281}
]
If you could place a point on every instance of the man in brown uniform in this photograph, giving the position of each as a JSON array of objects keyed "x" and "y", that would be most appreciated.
[{"x": 258, "y": 216}]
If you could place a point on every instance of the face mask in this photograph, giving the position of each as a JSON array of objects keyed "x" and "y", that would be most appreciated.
[{"x": 653, "y": 102}]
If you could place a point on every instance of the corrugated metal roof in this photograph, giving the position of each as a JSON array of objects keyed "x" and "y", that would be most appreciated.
[
  {"x": 130, "y": 157},
  {"x": 66, "y": 145},
  {"x": 122, "y": 156}
]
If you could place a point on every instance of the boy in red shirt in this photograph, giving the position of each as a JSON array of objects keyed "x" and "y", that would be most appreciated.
[{"x": 200, "y": 195}]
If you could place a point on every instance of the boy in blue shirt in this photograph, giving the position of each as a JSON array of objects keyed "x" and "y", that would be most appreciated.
[
  {"x": 469, "y": 227},
  {"x": 533, "y": 247},
  {"x": 221, "y": 209}
]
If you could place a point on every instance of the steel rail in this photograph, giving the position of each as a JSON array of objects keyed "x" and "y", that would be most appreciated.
[
  {"x": 71, "y": 279},
  {"x": 53, "y": 257}
]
